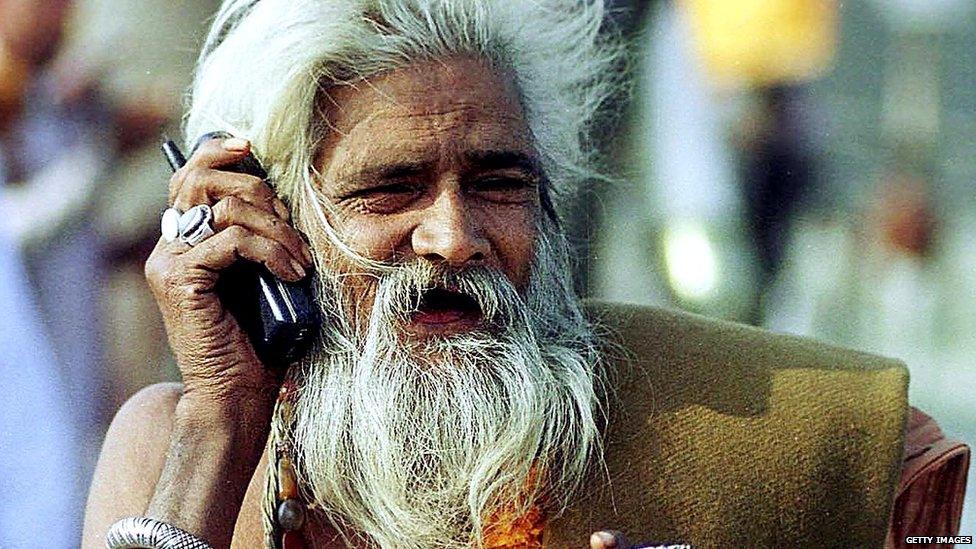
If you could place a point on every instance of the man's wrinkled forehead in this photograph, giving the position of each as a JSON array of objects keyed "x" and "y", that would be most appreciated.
[{"x": 444, "y": 113}]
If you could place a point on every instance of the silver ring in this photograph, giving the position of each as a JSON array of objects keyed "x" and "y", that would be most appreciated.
[
  {"x": 169, "y": 225},
  {"x": 196, "y": 225}
]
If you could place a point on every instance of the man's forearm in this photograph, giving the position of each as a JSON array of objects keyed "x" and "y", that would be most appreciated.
[{"x": 212, "y": 457}]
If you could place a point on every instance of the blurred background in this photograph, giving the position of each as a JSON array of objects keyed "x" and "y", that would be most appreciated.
[{"x": 802, "y": 165}]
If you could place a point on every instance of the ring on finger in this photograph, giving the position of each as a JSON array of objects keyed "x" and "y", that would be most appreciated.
[
  {"x": 196, "y": 225},
  {"x": 169, "y": 224}
]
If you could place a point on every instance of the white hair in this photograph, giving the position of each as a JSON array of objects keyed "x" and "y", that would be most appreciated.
[{"x": 266, "y": 65}]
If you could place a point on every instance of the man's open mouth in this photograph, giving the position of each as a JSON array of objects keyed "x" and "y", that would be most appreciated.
[{"x": 442, "y": 307}]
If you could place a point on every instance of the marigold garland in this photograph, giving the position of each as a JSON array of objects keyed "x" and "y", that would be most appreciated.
[{"x": 506, "y": 531}]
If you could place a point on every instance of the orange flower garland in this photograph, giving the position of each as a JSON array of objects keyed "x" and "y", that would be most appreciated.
[{"x": 508, "y": 532}]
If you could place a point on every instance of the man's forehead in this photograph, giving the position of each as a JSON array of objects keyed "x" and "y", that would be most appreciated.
[{"x": 456, "y": 108}]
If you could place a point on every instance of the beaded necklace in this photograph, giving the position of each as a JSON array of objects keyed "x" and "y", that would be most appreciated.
[{"x": 285, "y": 514}]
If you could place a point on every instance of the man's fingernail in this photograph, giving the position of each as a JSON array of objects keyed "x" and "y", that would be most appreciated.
[
  {"x": 608, "y": 539},
  {"x": 236, "y": 144},
  {"x": 297, "y": 267}
]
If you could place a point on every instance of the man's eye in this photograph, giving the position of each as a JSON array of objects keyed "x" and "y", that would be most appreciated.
[
  {"x": 505, "y": 188},
  {"x": 384, "y": 198},
  {"x": 394, "y": 188}
]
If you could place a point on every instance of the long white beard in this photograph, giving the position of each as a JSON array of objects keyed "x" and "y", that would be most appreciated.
[{"x": 415, "y": 443}]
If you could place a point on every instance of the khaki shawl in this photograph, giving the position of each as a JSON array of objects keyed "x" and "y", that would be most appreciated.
[{"x": 723, "y": 435}]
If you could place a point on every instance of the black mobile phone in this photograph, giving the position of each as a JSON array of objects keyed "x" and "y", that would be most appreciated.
[{"x": 279, "y": 317}]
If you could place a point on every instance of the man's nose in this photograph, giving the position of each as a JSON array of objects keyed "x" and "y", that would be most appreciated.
[{"x": 449, "y": 233}]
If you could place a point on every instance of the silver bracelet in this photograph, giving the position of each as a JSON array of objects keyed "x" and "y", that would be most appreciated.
[{"x": 147, "y": 533}]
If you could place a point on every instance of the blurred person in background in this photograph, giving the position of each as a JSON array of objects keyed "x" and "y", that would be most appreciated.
[
  {"x": 140, "y": 51},
  {"x": 723, "y": 144},
  {"x": 49, "y": 158},
  {"x": 675, "y": 230},
  {"x": 59, "y": 135},
  {"x": 778, "y": 170}
]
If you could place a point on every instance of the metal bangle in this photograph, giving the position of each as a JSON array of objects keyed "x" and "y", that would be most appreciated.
[{"x": 147, "y": 533}]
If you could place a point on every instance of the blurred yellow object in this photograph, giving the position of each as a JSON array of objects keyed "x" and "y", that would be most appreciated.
[{"x": 763, "y": 42}]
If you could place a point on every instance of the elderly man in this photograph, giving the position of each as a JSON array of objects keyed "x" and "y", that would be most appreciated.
[{"x": 458, "y": 394}]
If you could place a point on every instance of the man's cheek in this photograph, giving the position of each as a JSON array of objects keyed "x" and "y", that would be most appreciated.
[
  {"x": 365, "y": 236},
  {"x": 378, "y": 240},
  {"x": 515, "y": 246}
]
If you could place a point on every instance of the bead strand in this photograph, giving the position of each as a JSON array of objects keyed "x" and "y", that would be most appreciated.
[{"x": 290, "y": 513}]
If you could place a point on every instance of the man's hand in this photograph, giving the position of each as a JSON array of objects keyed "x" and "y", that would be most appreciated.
[
  {"x": 214, "y": 355},
  {"x": 221, "y": 421}
]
